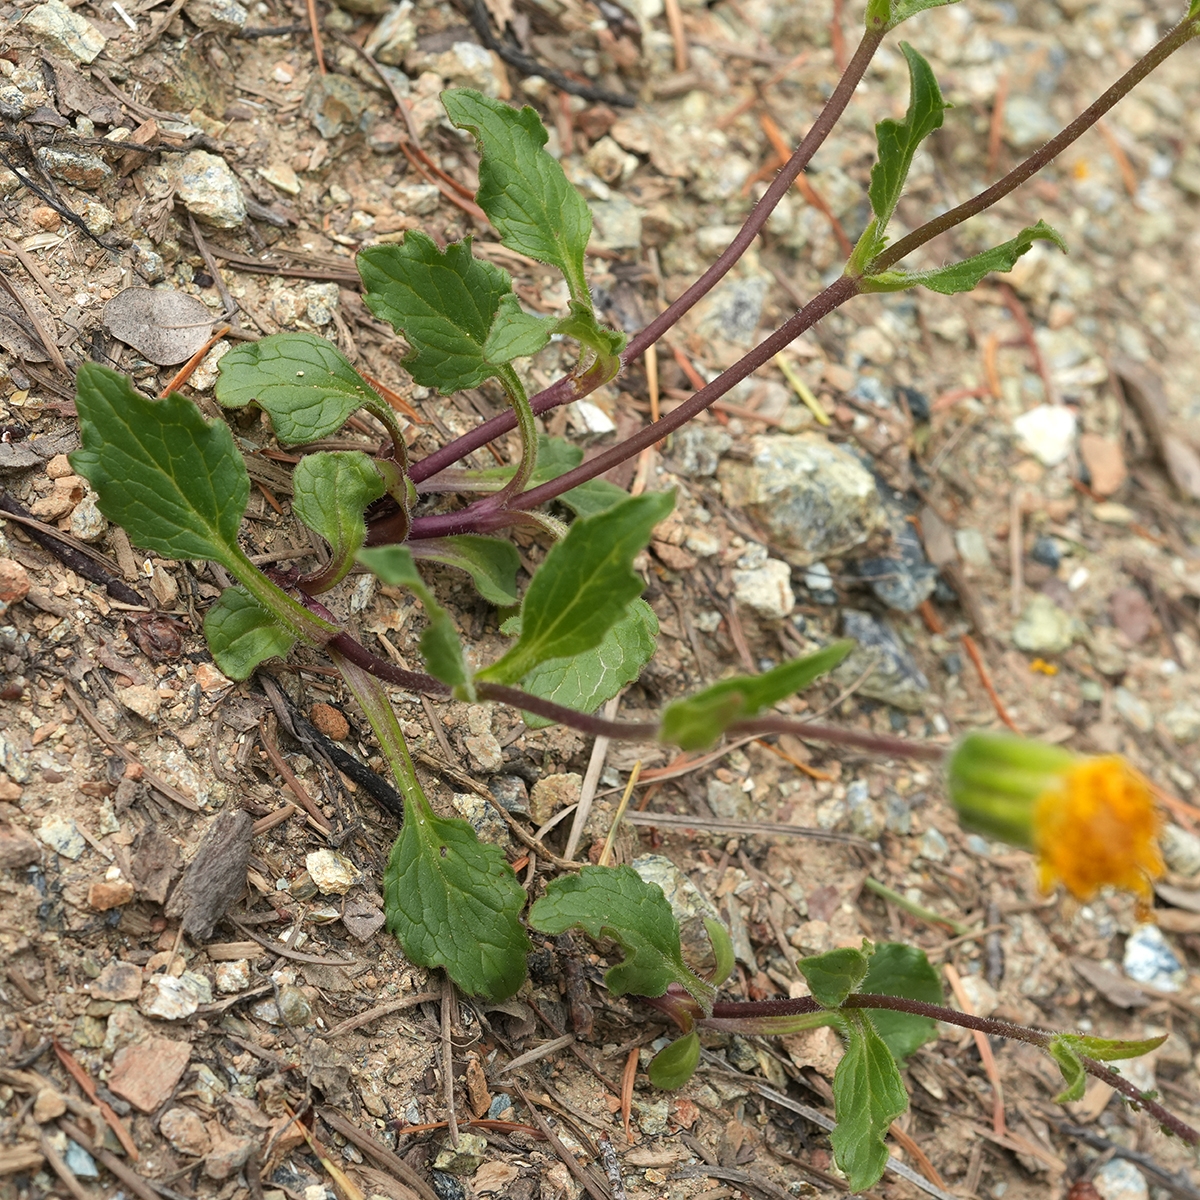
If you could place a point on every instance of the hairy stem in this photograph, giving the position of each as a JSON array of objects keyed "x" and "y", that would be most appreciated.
[
  {"x": 527, "y": 425},
  {"x": 471, "y": 519},
  {"x": 748, "y": 1017},
  {"x": 1179, "y": 36},
  {"x": 569, "y": 389}
]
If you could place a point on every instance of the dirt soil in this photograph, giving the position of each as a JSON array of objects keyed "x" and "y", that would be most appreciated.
[{"x": 179, "y": 1061}]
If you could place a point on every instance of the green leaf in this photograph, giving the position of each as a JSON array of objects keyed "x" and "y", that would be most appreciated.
[
  {"x": 832, "y": 976},
  {"x": 452, "y": 901},
  {"x": 868, "y": 1095},
  {"x": 1194, "y": 11},
  {"x": 241, "y": 633},
  {"x": 592, "y": 497},
  {"x": 697, "y": 722},
  {"x": 586, "y": 681},
  {"x": 584, "y": 586},
  {"x": 515, "y": 333},
  {"x": 887, "y": 14},
  {"x": 894, "y": 969},
  {"x": 491, "y": 562},
  {"x": 303, "y": 382},
  {"x": 1113, "y": 1049},
  {"x": 443, "y": 302},
  {"x": 172, "y": 480},
  {"x": 722, "y": 947},
  {"x": 331, "y": 491},
  {"x": 963, "y": 276},
  {"x": 522, "y": 188},
  {"x": 607, "y": 344},
  {"x": 898, "y": 140},
  {"x": 1074, "y": 1076},
  {"x": 440, "y": 644},
  {"x": 675, "y": 1064},
  {"x": 616, "y": 902}
]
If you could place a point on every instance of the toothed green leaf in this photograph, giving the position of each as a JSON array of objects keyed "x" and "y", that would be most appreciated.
[
  {"x": 301, "y": 381},
  {"x": 491, "y": 563},
  {"x": 887, "y": 14},
  {"x": 616, "y": 902},
  {"x": 584, "y": 586},
  {"x": 515, "y": 333},
  {"x": 522, "y": 188},
  {"x": 697, "y": 722},
  {"x": 832, "y": 976},
  {"x": 963, "y": 276},
  {"x": 242, "y": 634},
  {"x": 675, "y": 1064},
  {"x": 331, "y": 491},
  {"x": 894, "y": 969}
]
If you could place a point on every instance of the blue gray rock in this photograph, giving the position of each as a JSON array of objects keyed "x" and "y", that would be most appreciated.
[{"x": 896, "y": 678}]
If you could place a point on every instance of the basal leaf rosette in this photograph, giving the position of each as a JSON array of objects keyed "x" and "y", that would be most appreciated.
[{"x": 1092, "y": 821}]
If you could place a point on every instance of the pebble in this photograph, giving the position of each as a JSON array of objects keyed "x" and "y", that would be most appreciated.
[
  {"x": 1180, "y": 850},
  {"x": 87, "y": 521},
  {"x": 449, "y": 1188},
  {"x": 146, "y": 1072},
  {"x": 1027, "y": 122},
  {"x": 204, "y": 377},
  {"x": 896, "y": 678},
  {"x": 279, "y": 175},
  {"x": 905, "y": 578},
  {"x": 14, "y": 581},
  {"x": 1119, "y": 1179},
  {"x": 972, "y": 548},
  {"x": 228, "y": 1155},
  {"x": 74, "y": 165},
  {"x": 118, "y": 981},
  {"x": 1183, "y": 723},
  {"x": 766, "y": 589},
  {"x": 62, "y": 835},
  {"x": 416, "y": 199},
  {"x": 171, "y": 998},
  {"x": 333, "y": 873},
  {"x": 141, "y": 699},
  {"x": 209, "y": 189},
  {"x": 1044, "y": 628},
  {"x": 1046, "y": 551},
  {"x": 105, "y": 894},
  {"x": 466, "y": 1158},
  {"x": 485, "y": 750},
  {"x": 1149, "y": 959},
  {"x": 1047, "y": 432},
  {"x": 216, "y": 16},
  {"x": 732, "y": 311},
  {"x": 553, "y": 792},
  {"x": 184, "y": 1129},
  {"x": 362, "y": 919},
  {"x": 727, "y": 801},
  {"x": 17, "y": 847},
  {"x": 79, "y": 1161},
  {"x": 512, "y": 793},
  {"x": 334, "y": 104},
  {"x": 232, "y": 977},
  {"x": 320, "y": 302},
  {"x": 65, "y": 32},
  {"x": 1133, "y": 709},
  {"x": 48, "y": 1105},
  {"x": 481, "y": 816},
  {"x": 814, "y": 499},
  {"x": 617, "y": 225},
  {"x": 466, "y": 64},
  {"x": 863, "y": 815},
  {"x": 1105, "y": 463},
  {"x": 293, "y": 1008},
  {"x": 934, "y": 846}
]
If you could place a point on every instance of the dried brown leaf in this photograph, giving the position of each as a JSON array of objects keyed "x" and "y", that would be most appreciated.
[
  {"x": 216, "y": 877},
  {"x": 164, "y": 326}
]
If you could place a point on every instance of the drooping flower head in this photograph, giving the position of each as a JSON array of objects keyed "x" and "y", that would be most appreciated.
[{"x": 1091, "y": 821}]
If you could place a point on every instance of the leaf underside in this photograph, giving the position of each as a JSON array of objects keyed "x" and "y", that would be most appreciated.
[
  {"x": 242, "y": 634},
  {"x": 330, "y": 494},
  {"x": 491, "y": 563}
]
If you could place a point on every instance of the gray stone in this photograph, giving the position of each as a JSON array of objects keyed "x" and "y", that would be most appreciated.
[
  {"x": 813, "y": 498},
  {"x": 14, "y": 103},
  {"x": 695, "y": 451},
  {"x": 1044, "y": 628},
  {"x": 466, "y": 1158},
  {"x": 617, "y": 225},
  {"x": 74, "y": 165},
  {"x": 394, "y": 36},
  {"x": 64, "y": 31},
  {"x": 1027, "y": 123},
  {"x": 291, "y": 1008},
  {"x": 896, "y": 678},
  {"x": 80, "y": 1162},
  {"x": 1183, "y": 723},
  {"x": 481, "y": 816},
  {"x": 12, "y": 762},
  {"x": 862, "y": 813},
  {"x": 87, "y": 522},
  {"x": 320, "y": 300},
  {"x": 1119, "y": 1179},
  {"x": 1133, "y": 709},
  {"x": 904, "y": 578},
  {"x": 553, "y": 792},
  {"x": 972, "y": 548},
  {"x": 62, "y": 835},
  {"x": 334, "y": 104},
  {"x": 232, "y": 977},
  {"x": 766, "y": 589},
  {"x": 1180, "y": 850},
  {"x": 216, "y": 16},
  {"x": 1047, "y": 432},
  {"x": 687, "y": 902},
  {"x": 733, "y": 309},
  {"x": 728, "y": 801},
  {"x": 465, "y": 64},
  {"x": 209, "y": 189},
  {"x": 511, "y": 792},
  {"x": 1150, "y": 960},
  {"x": 416, "y": 199},
  {"x": 172, "y": 998},
  {"x": 933, "y": 846}
]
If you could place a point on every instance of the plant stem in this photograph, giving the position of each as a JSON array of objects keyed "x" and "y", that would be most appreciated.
[
  {"x": 301, "y": 622},
  {"x": 527, "y": 427},
  {"x": 471, "y": 520},
  {"x": 913, "y": 909},
  {"x": 369, "y": 693},
  {"x": 748, "y": 1018},
  {"x": 1179, "y": 36},
  {"x": 568, "y": 389}
]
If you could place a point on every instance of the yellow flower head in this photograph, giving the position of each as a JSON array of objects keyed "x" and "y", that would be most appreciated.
[
  {"x": 1098, "y": 826},
  {"x": 1091, "y": 821}
]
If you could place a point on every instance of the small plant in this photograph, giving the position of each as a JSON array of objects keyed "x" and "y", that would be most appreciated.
[{"x": 580, "y": 632}]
